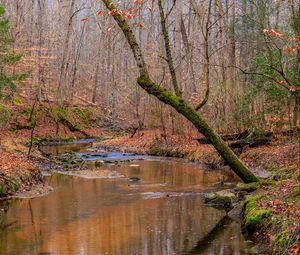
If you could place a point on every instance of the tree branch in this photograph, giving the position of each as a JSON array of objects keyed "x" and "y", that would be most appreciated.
[{"x": 168, "y": 49}]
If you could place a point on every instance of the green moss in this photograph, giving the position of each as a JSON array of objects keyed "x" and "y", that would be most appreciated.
[
  {"x": 37, "y": 141},
  {"x": 295, "y": 196},
  {"x": 5, "y": 114},
  {"x": 81, "y": 114},
  {"x": 284, "y": 240},
  {"x": 14, "y": 186},
  {"x": 26, "y": 112},
  {"x": 250, "y": 203},
  {"x": 254, "y": 217},
  {"x": 279, "y": 173},
  {"x": 25, "y": 177},
  {"x": 85, "y": 115},
  {"x": 67, "y": 117},
  {"x": 189, "y": 113},
  {"x": 280, "y": 238},
  {"x": 2, "y": 191},
  {"x": 255, "y": 185},
  {"x": 16, "y": 100}
]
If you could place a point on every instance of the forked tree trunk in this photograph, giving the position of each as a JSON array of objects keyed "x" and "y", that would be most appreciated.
[{"x": 178, "y": 103}]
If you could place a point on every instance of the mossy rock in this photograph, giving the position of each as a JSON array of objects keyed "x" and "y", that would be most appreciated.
[
  {"x": 249, "y": 187},
  {"x": 70, "y": 158},
  {"x": 253, "y": 217},
  {"x": 222, "y": 199}
]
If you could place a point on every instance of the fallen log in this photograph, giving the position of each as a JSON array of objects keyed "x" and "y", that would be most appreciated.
[
  {"x": 228, "y": 137},
  {"x": 253, "y": 138},
  {"x": 240, "y": 144}
]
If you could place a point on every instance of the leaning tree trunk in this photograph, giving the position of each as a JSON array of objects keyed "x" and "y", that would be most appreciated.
[{"x": 178, "y": 103}]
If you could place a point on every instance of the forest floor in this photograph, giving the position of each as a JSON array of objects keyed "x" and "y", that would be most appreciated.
[{"x": 279, "y": 160}]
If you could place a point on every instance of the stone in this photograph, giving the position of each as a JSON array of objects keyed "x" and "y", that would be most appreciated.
[{"x": 223, "y": 198}]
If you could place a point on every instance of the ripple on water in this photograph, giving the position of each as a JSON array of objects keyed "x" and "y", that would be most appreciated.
[{"x": 157, "y": 195}]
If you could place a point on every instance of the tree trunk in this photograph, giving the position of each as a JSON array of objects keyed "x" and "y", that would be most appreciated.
[
  {"x": 96, "y": 79},
  {"x": 75, "y": 67},
  {"x": 178, "y": 103},
  {"x": 181, "y": 107},
  {"x": 296, "y": 111},
  {"x": 63, "y": 67},
  {"x": 168, "y": 48}
]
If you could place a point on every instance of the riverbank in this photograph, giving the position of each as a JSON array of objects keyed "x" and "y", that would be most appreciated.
[
  {"x": 25, "y": 126},
  {"x": 283, "y": 152},
  {"x": 17, "y": 173},
  {"x": 271, "y": 217},
  {"x": 154, "y": 202},
  {"x": 271, "y": 211}
]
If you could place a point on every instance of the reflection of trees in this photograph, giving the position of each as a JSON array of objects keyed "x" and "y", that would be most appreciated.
[
  {"x": 224, "y": 238},
  {"x": 154, "y": 226},
  {"x": 4, "y": 206},
  {"x": 176, "y": 174},
  {"x": 108, "y": 216}
]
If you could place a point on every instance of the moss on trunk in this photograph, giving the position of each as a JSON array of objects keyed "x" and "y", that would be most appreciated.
[{"x": 181, "y": 107}]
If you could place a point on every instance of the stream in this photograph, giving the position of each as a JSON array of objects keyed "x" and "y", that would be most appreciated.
[{"x": 153, "y": 207}]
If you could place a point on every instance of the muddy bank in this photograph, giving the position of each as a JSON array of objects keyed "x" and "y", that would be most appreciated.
[
  {"x": 279, "y": 153},
  {"x": 93, "y": 174},
  {"x": 18, "y": 174},
  {"x": 37, "y": 190},
  {"x": 24, "y": 128}
]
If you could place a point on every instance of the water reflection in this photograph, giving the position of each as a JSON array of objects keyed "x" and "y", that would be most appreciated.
[
  {"x": 78, "y": 146},
  {"x": 109, "y": 217}
]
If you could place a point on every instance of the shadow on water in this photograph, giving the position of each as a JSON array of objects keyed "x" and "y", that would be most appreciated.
[
  {"x": 162, "y": 213},
  {"x": 224, "y": 238}
]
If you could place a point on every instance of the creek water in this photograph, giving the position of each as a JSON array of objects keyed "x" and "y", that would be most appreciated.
[{"x": 161, "y": 213}]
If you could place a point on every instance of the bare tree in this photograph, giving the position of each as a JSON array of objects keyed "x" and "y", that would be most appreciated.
[{"x": 178, "y": 103}]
